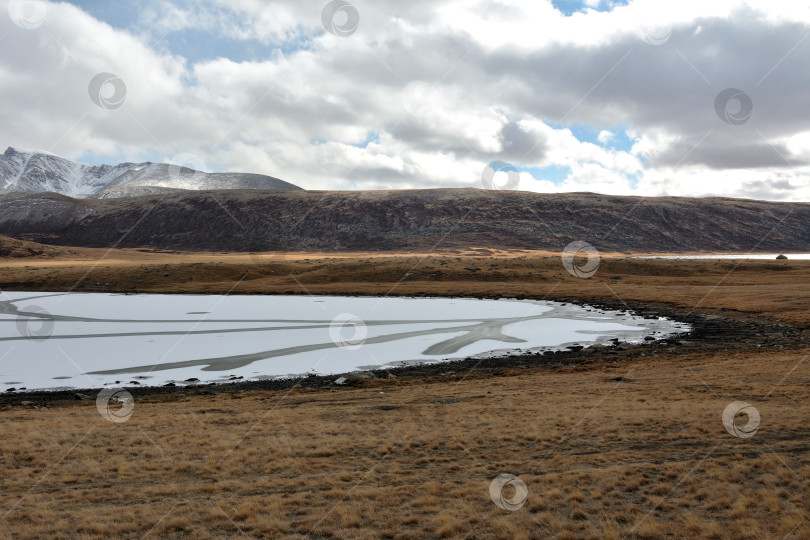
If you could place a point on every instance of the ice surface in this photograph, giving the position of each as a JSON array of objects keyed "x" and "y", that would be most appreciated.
[{"x": 82, "y": 340}]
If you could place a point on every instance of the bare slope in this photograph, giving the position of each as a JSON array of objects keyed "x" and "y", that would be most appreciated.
[{"x": 407, "y": 220}]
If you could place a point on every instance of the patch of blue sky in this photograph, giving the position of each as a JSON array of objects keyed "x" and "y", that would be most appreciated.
[
  {"x": 202, "y": 45},
  {"x": 633, "y": 179},
  {"x": 552, "y": 173},
  {"x": 569, "y": 7},
  {"x": 372, "y": 137},
  {"x": 618, "y": 141},
  {"x": 555, "y": 174},
  {"x": 120, "y": 15},
  {"x": 193, "y": 44}
]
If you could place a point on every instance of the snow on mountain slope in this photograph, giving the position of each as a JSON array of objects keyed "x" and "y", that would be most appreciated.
[{"x": 35, "y": 171}]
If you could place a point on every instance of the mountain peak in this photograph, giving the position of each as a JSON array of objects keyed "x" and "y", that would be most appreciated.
[
  {"x": 36, "y": 171},
  {"x": 17, "y": 150}
]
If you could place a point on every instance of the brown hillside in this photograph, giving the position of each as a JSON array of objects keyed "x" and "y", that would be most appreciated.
[{"x": 416, "y": 220}]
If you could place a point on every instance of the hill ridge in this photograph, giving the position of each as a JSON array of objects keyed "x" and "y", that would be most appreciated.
[{"x": 259, "y": 220}]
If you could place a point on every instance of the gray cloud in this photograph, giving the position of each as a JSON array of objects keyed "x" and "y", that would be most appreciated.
[{"x": 483, "y": 90}]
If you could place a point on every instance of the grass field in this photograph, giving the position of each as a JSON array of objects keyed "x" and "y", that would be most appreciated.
[{"x": 634, "y": 448}]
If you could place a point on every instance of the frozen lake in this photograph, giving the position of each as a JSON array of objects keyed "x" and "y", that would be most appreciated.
[{"x": 88, "y": 340}]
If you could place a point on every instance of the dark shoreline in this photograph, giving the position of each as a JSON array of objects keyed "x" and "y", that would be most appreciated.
[{"x": 715, "y": 331}]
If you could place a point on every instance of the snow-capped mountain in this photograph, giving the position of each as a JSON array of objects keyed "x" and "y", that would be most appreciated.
[{"x": 36, "y": 171}]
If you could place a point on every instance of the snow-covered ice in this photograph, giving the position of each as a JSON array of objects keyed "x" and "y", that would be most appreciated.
[{"x": 85, "y": 340}]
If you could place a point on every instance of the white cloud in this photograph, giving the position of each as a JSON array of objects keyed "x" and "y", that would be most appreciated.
[
  {"x": 605, "y": 136},
  {"x": 442, "y": 88}
]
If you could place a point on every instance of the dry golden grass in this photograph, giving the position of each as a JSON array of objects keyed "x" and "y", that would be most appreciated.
[
  {"x": 645, "y": 456},
  {"x": 777, "y": 289}
]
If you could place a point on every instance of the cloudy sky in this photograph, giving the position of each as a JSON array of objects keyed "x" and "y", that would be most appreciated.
[{"x": 646, "y": 97}]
